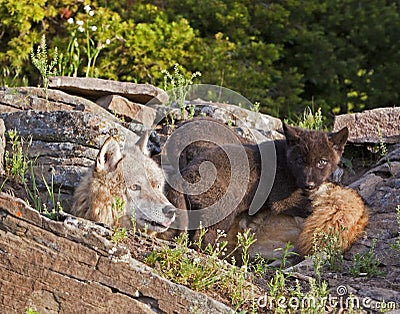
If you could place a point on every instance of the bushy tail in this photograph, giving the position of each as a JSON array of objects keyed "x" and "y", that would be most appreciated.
[{"x": 337, "y": 210}]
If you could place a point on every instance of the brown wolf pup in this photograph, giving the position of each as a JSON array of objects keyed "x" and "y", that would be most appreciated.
[
  {"x": 141, "y": 189},
  {"x": 305, "y": 160}
]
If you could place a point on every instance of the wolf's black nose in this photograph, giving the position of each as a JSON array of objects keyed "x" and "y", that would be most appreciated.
[{"x": 169, "y": 211}]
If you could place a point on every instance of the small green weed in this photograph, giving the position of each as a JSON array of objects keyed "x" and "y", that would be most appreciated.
[
  {"x": 17, "y": 164},
  {"x": 83, "y": 44},
  {"x": 259, "y": 266},
  {"x": 178, "y": 86},
  {"x": 382, "y": 149},
  {"x": 256, "y": 107},
  {"x": 280, "y": 295},
  {"x": 41, "y": 62},
  {"x": 52, "y": 198},
  {"x": 12, "y": 77},
  {"x": 209, "y": 269},
  {"x": 310, "y": 120},
  {"x": 327, "y": 251},
  {"x": 331, "y": 244},
  {"x": 366, "y": 263},
  {"x": 119, "y": 233},
  {"x": 31, "y": 310},
  {"x": 287, "y": 252},
  {"x": 51, "y": 205}
]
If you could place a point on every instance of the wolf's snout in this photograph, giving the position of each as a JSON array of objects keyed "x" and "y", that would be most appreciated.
[
  {"x": 169, "y": 211},
  {"x": 310, "y": 186}
]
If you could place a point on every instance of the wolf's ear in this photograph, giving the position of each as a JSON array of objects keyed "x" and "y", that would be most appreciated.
[
  {"x": 339, "y": 139},
  {"x": 291, "y": 134},
  {"x": 109, "y": 156},
  {"x": 142, "y": 142}
]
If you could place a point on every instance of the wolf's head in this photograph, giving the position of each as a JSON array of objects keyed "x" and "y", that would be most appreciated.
[
  {"x": 312, "y": 156},
  {"x": 133, "y": 178}
]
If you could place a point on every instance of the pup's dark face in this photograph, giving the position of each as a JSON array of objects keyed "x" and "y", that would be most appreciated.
[{"x": 312, "y": 156}]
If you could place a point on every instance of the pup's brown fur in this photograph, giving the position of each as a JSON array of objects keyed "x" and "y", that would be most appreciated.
[
  {"x": 334, "y": 207},
  {"x": 335, "y": 210},
  {"x": 304, "y": 161}
]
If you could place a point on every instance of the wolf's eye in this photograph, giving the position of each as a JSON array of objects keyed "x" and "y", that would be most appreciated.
[
  {"x": 300, "y": 161},
  {"x": 322, "y": 163},
  {"x": 135, "y": 187}
]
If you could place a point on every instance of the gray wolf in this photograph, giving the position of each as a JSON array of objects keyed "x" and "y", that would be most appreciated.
[{"x": 133, "y": 178}]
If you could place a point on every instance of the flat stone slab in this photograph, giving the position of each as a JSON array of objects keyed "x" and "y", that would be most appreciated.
[
  {"x": 72, "y": 266},
  {"x": 364, "y": 128},
  {"x": 127, "y": 109},
  {"x": 94, "y": 88}
]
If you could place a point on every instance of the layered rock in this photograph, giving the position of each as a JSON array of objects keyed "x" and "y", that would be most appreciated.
[{"x": 72, "y": 266}]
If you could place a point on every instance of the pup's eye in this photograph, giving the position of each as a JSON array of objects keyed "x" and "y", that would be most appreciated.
[
  {"x": 300, "y": 161},
  {"x": 135, "y": 187},
  {"x": 322, "y": 163}
]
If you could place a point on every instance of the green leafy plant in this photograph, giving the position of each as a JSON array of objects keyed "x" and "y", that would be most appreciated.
[
  {"x": 17, "y": 164},
  {"x": 16, "y": 168},
  {"x": 119, "y": 233},
  {"x": 40, "y": 60},
  {"x": 366, "y": 263},
  {"x": 53, "y": 199},
  {"x": 256, "y": 107},
  {"x": 259, "y": 266},
  {"x": 287, "y": 253},
  {"x": 327, "y": 251},
  {"x": 208, "y": 267},
  {"x": 383, "y": 152},
  {"x": 51, "y": 205},
  {"x": 31, "y": 310},
  {"x": 84, "y": 44},
  {"x": 330, "y": 246},
  {"x": 310, "y": 119},
  {"x": 12, "y": 77},
  {"x": 280, "y": 294},
  {"x": 178, "y": 86}
]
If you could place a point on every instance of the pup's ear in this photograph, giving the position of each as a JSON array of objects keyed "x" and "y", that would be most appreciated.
[
  {"x": 339, "y": 139},
  {"x": 291, "y": 134},
  {"x": 142, "y": 142},
  {"x": 109, "y": 156}
]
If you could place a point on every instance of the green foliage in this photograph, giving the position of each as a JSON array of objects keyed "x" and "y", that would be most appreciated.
[
  {"x": 31, "y": 310},
  {"x": 41, "y": 62},
  {"x": 383, "y": 152},
  {"x": 16, "y": 168},
  {"x": 208, "y": 269},
  {"x": 310, "y": 119},
  {"x": 287, "y": 253},
  {"x": 11, "y": 77},
  {"x": 328, "y": 248},
  {"x": 366, "y": 263},
  {"x": 89, "y": 32},
  {"x": 280, "y": 294},
  {"x": 17, "y": 164},
  {"x": 119, "y": 233},
  {"x": 51, "y": 205},
  {"x": 178, "y": 86},
  {"x": 284, "y": 54}
]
